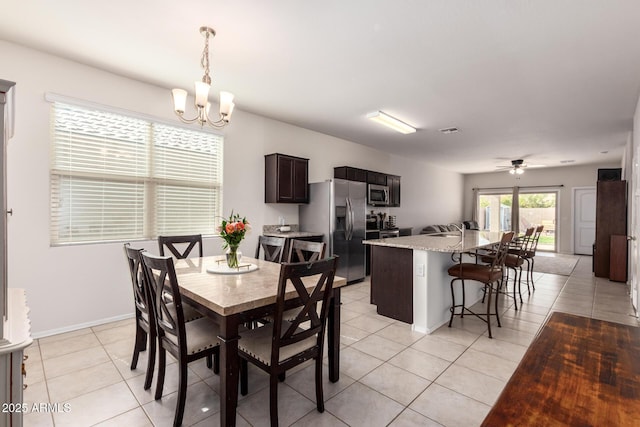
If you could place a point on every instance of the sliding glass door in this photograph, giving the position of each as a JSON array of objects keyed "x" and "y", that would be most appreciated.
[
  {"x": 540, "y": 208},
  {"x": 496, "y": 212}
]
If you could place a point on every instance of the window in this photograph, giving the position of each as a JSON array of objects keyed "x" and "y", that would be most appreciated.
[
  {"x": 519, "y": 208},
  {"x": 116, "y": 177}
]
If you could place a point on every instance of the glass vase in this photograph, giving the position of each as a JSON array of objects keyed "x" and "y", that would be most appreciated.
[{"x": 233, "y": 256}]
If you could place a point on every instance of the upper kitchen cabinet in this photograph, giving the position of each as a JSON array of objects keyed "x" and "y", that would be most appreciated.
[
  {"x": 393, "y": 182},
  {"x": 372, "y": 177},
  {"x": 349, "y": 173},
  {"x": 376, "y": 178},
  {"x": 286, "y": 179}
]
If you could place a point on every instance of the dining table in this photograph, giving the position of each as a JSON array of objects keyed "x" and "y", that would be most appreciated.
[
  {"x": 577, "y": 371},
  {"x": 236, "y": 297}
]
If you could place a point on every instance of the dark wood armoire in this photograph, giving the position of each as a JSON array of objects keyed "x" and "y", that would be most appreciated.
[{"x": 611, "y": 220}]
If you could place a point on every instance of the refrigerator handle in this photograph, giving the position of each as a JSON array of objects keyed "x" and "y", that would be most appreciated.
[
  {"x": 353, "y": 219},
  {"x": 349, "y": 218}
]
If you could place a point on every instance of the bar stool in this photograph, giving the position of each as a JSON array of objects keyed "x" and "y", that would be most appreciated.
[
  {"x": 488, "y": 274},
  {"x": 530, "y": 254},
  {"x": 514, "y": 261}
]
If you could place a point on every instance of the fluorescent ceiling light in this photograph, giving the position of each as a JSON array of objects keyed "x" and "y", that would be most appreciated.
[{"x": 391, "y": 122}]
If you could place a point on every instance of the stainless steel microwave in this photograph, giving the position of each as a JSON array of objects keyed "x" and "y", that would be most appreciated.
[{"x": 377, "y": 195}]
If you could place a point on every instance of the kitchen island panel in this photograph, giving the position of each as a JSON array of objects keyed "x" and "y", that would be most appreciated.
[
  {"x": 392, "y": 282},
  {"x": 432, "y": 290}
]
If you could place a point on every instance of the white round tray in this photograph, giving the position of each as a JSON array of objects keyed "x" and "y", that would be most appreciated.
[{"x": 223, "y": 268}]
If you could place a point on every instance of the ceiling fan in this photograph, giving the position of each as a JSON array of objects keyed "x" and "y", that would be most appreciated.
[{"x": 517, "y": 167}]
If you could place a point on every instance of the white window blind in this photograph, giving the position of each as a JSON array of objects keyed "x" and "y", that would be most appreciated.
[{"x": 115, "y": 177}]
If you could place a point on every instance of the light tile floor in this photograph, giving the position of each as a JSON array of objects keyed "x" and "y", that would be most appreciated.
[{"x": 389, "y": 374}]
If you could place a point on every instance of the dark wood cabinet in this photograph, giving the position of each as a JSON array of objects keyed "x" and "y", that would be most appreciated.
[
  {"x": 611, "y": 219},
  {"x": 393, "y": 182},
  {"x": 618, "y": 258},
  {"x": 376, "y": 178},
  {"x": 349, "y": 173},
  {"x": 286, "y": 179},
  {"x": 392, "y": 282},
  {"x": 372, "y": 177}
]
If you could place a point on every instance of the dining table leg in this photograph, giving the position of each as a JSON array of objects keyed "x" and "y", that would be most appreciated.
[
  {"x": 333, "y": 338},
  {"x": 229, "y": 369}
]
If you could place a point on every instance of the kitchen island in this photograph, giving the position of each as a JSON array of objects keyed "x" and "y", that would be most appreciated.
[
  {"x": 409, "y": 280},
  {"x": 293, "y": 233}
]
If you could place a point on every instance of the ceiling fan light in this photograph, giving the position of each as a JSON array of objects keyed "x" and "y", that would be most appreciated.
[
  {"x": 512, "y": 171},
  {"x": 519, "y": 171}
]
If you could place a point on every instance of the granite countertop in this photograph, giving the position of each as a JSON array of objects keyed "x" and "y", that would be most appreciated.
[
  {"x": 293, "y": 233},
  {"x": 441, "y": 242}
]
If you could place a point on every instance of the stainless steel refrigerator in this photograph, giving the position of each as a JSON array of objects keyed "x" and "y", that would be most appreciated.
[{"x": 337, "y": 208}]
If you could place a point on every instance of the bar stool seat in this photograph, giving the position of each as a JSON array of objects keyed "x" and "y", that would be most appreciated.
[{"x": 487, "y": 274}]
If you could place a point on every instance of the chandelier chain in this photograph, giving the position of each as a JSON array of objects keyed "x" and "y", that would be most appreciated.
[{"x": 204, "y": 61}]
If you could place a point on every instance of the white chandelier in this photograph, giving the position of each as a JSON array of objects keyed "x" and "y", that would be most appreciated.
[{"x": 202, "y": 93}]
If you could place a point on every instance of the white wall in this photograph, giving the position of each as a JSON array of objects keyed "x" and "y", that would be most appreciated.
[
  {"x": 73, "y": 286},
  {"x": 429, "y": 195},
  {"x": 568, "y": 176}
]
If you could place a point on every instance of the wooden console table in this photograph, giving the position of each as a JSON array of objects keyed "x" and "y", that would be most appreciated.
[{"x": 577, "y": 372}]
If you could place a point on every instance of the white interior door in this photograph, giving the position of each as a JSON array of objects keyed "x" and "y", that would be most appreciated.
[{"x": 584, "y": 220}]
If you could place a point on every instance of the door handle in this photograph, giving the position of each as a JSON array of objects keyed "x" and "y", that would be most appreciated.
[{"x": 631, "y": 238}]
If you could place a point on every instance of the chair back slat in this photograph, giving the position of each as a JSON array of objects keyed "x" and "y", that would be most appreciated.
[
  {"x": 137, "y": 280},
  {"x": 534, "y": 241},
  {"x": 272, "y": 247},
  {"x": 520, "y": 245},
  {"x": 305, "y": 251},
  {"x": 321, "y": 292},
  {"x": 171, "y": 242},
  {"x": 502, "y": 251},
  {"x": 163, "y": 288}
]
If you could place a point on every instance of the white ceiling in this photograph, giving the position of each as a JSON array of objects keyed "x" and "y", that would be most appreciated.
[{"x": 546, "y": 80}]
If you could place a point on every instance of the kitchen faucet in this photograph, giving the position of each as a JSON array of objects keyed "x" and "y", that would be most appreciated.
[{"x": 460, "y": 228}]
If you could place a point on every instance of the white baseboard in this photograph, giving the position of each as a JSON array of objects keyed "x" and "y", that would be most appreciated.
[{"x": 76, "y": 327}]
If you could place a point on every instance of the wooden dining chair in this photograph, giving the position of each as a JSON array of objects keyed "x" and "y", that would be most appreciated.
[
  {"x": 282, "y": 344},
  {"x": 145, "y": 322},
  {"x": 487, "y": 274},
  {"x": 272, "y": 248},
  {"x": 186, "y": 341},
  {"x": 176, "y": 245},
  {"x": 302, "y": 251},
  {"x": 305, "y": 251}
]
